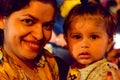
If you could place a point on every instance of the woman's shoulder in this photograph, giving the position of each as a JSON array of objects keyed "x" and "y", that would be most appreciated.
[
  {"x": 61, "y": 64},
  {"x": 7, "y": 68},
  {"x": 63, "y": 68}
]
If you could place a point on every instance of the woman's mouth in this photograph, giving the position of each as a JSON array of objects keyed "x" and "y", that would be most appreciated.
[{"x": 33, "y": 45}]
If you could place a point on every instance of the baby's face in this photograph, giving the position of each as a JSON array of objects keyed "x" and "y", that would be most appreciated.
[{"x": 87, "y": 41}]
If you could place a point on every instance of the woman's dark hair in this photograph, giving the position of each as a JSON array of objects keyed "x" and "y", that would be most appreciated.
[
  {"x": 118, "y": 21},
  {"x": 93, "y": 11},
  {"x": 1, "y": 37},
  {"x": 9, "y": 6}
]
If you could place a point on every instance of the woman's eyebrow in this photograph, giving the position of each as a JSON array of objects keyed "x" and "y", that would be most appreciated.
[
  {"x": 51, "y": 21},
  {"x": 30, "y": 16}
]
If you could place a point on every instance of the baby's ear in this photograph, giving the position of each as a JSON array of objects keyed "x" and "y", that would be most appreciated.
[
  {"x": 110, "y": 44},
  {"x": 1, "y": 22}
]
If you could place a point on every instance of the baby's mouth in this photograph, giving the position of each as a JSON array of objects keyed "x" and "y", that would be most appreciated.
[{"x": 84, "y": 55}]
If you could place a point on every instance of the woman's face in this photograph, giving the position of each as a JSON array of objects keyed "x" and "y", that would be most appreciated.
[{"x": 27, "y": 31}]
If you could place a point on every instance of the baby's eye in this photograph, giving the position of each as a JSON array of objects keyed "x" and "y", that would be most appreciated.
[
  {"x": 76, "y": 36},
  {"x": 28, "y": 22},
  {"x": 94, "y": 37}
]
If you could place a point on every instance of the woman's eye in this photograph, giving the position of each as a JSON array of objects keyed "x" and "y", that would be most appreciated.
[
  {"x": 28, "y": 22},
  {"x": 94, "y": 37},
  {"x": 76, "y": 36}
]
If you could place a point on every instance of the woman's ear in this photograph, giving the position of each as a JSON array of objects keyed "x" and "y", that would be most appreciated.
[
  {"x": 1, "y": 22},
  {"x": 110, "y": 44}
]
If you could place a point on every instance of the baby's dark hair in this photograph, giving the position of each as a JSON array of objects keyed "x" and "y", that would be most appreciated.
[
  {"x": 90, "y": 11},
  {"x": 9, "y": 6}
]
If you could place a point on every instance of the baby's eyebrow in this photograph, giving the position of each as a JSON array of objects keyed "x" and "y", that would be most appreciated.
[{"x": 96, "y": 33}]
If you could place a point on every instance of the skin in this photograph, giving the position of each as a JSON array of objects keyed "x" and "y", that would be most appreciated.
[
  {"x": 87, "y": 43},
  {"x": 112, "y": 57},
  {"x": 26, "y": 32}
]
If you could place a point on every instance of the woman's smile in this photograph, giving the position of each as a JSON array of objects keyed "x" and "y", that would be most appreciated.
[{"x": 33, "y": 45}]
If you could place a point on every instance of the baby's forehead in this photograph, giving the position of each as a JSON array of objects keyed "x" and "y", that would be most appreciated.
[
  {"x": 87, "y": 17},
  {"x": 95, "y": 20}
]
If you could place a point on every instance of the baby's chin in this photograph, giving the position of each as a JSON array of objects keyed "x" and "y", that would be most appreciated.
[{"x": 85, "y": 62}]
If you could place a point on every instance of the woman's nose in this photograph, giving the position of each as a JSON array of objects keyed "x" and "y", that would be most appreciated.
[{"x": 38, "y": 32}]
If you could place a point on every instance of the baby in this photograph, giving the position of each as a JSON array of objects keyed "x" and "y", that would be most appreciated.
[{"x": 89, "y": 30}]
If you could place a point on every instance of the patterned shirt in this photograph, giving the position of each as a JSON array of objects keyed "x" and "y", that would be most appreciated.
[
  {"x": 95, "y": 71},
  {"x": 46, "y": 68}
]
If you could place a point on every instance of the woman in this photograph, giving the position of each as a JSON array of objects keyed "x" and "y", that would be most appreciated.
[{"x": 27, "y": 27}]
